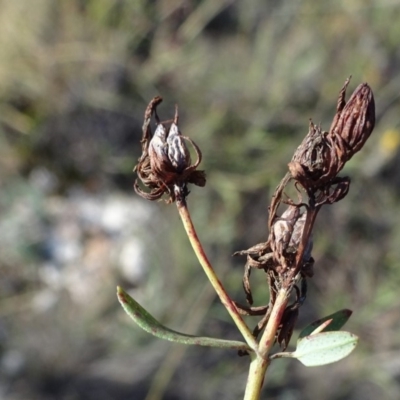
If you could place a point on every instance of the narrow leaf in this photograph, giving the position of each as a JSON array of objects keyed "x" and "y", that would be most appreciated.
[
  {"x": 324, "y": 348},
  {"x": 339, "y": 318},
  {"x": 147, "y": 322}
]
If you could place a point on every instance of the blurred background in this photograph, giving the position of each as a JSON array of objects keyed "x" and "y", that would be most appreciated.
[{"x": 75, "y": 78}]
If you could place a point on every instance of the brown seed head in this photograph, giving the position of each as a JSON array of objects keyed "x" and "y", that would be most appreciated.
[
  {"x": 311, "y": 160},
  {"x": 354, "y": 121},
  {"x": 165, "y": 162},
  {"x": 322, "y": 155}
]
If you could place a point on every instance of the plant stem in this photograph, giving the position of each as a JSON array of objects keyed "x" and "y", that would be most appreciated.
[
  {"x": 268, "y": 337},
  {"x": 260, "y": 360},
  {"x": 209, "y": 271},
  {"x": 255, "y": 379},
  {"x": 260, "y": 363}
]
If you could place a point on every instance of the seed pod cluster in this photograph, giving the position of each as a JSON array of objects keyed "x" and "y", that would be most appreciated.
[{"x": 286, "y": 257}]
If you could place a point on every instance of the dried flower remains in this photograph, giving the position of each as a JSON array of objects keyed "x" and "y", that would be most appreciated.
[
  {"x": 165, "y": 164},
  {"x": 322, "y": 155},
  {"x": 286, "y": 256}
]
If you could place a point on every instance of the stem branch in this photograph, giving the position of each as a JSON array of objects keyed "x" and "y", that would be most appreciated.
[{"x": 209, "y": 271}]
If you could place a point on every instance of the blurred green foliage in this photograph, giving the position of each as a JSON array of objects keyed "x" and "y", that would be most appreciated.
[{"x": 75, "y": 78}]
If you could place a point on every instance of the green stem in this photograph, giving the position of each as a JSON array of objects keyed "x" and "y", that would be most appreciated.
[
  {"x": 209, "y": 271},
  {"x": 261, "y": 361},
  {"x": 255, "y": 379}
]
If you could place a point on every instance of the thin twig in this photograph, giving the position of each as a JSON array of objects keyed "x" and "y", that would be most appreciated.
[{"x": 209, "y": 271}]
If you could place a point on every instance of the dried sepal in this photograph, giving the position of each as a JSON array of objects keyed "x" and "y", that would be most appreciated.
[
  {"x": 158, "y": 152},
  {"x": 334, "y": 192},
  {"x": 341, "y": 102},
  {"x": 288, "y": 323},
  {"x": 165, "y": 163},
  {"x": 178, "y": 152},
  {"x": 246, "y": 310},
  {"x": 150, "y": 109}
]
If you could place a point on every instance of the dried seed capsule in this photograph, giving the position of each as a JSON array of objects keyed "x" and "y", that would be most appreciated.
[
  {"x": 158, "y": 150},
  {"x": 322, "y": 155},
  {"x": 311, "y": 162},
  {"x": 165, "y": 164},
  {"x": 178, "y": 153},
  {"x": 288, "y": 232},
  {"x": 296, "y": 237},
  {"x": 354, "y": 121},
  {"x": 283, "y": 229}
]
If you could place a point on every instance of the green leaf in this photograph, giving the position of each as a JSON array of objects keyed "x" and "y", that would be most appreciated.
[
  {"x": 147, "y": 322},
  {"x": 339, "y": 318},
  {"x": 324, "y": 348}
]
